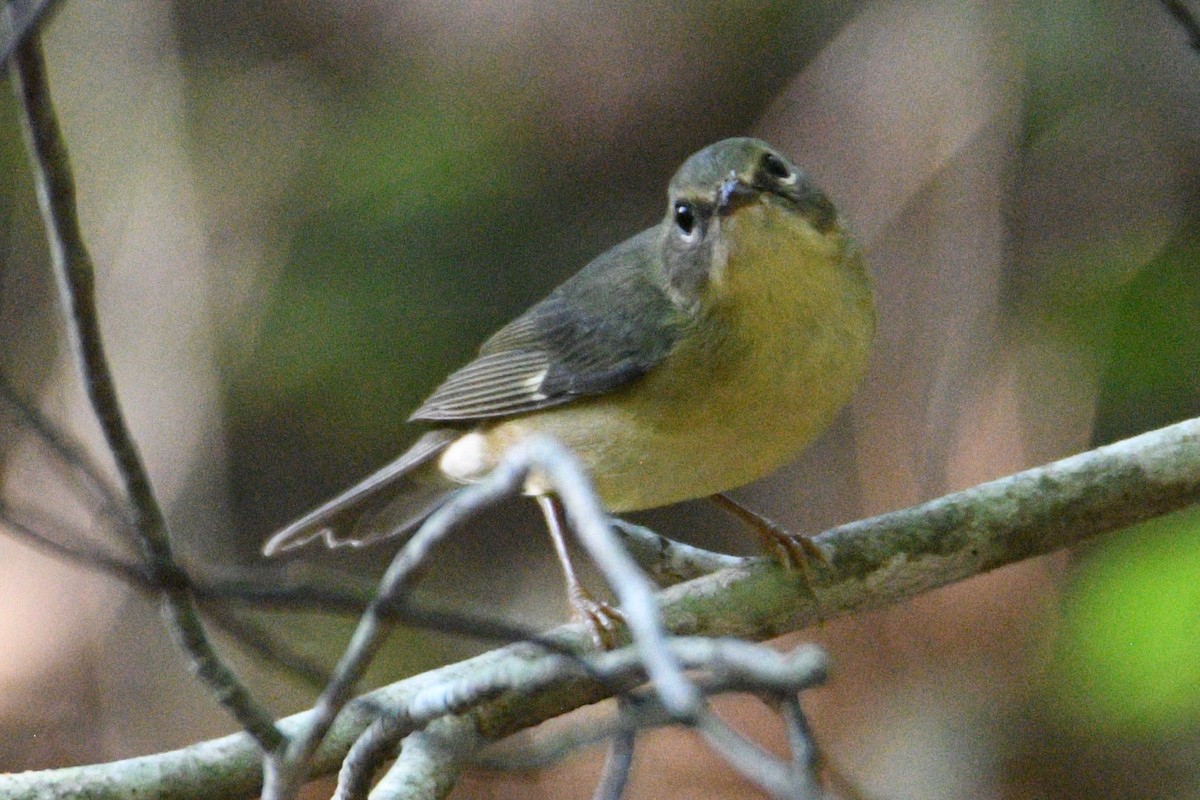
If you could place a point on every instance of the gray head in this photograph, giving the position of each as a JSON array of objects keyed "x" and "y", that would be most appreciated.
[{"x": 714, "y": 183}]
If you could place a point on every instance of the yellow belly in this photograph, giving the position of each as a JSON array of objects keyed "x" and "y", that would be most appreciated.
[{"x": 761, "y": 376}]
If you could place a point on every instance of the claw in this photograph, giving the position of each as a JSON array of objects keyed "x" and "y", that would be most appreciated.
[
  {"x": 794, "y": 552},
  {"x": 605, "y": 620}
]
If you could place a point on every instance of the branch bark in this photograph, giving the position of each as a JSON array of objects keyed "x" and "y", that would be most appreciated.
[{"x": 872, "y": 563}]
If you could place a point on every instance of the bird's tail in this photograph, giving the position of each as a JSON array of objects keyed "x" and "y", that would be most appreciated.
[{"x": 392, "y": 502}]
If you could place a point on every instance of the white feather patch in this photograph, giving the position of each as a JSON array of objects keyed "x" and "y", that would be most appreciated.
[{"x": 467, "y": 460}]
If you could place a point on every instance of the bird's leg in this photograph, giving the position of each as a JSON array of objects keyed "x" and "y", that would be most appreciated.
[
  {"x": 600, "y": 616},
  {"x": 792, "y": 550}
]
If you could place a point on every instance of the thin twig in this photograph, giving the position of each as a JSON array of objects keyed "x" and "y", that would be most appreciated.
[
  {"x": 258, "y": 640},
  {"x": 728, "y": 664},
  {"x": 618, "y": 762},
  {"x": 381, "y": 739},
  {"x": 376, "y": 745},
  {"x": 667, "y": 561},
  {"x": 133, "y": 576},
  {"x": 75, "y": 276},
  {"x": 81, "y": 554},
  {"x": 589, "y": 521},
  {"x": 803, "y": 746},
  {"x": 633, "y": 590},
  {"x": 1186, "y": 19},
  {"x": 732, "y": 666},
  {"x": 873, "y": 563},
  {"x": 368, "y": 636},
  {"x": 18, "y": 19},
  {"x": 313, "y": 598},
  {"x": 430, "y": 762},
  {"x": 755, "y": 764},
  {"x": 72, "y": 455}
]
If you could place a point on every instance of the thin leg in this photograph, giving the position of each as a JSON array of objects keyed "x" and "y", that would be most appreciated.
[
  {"x": 600, "y": 616},
  {"x": 792, "y": 550}
]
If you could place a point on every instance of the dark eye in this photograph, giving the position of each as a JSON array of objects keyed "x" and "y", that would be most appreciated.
[
  {"x": 775, "y": 166},
  {"x": 685, "y": 217}
]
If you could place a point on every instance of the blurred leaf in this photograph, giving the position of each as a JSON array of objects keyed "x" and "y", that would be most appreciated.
[
  {"x": 1153, "y": 372},
  {"x": 1132, "y": 632},
  {"x": 423, "y": 153},
  {"x": 1070, "y": 49},
  {"x": 1127, "y": 652},
  {"x": 387, "y": 210}
]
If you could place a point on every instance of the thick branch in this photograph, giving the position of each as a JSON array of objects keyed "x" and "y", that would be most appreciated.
[{"x": 874, "y": 562}]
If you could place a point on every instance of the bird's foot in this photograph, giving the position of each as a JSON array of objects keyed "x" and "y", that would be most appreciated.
[
  {"x": 794, "y": 552},
  {"x": 604, "y": 619}
]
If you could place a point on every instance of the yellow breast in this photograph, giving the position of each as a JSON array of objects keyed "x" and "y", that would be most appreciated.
[{"x": 777, "y": 349}]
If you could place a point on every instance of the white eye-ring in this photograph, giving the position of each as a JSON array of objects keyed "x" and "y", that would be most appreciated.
[{"x": 686, "y": 221}]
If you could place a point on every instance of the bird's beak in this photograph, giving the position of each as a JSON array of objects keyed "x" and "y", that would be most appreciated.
[{"x": 734, "y": 194}]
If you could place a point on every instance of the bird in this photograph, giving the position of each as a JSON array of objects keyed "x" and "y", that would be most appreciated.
[{"x": 693, "y": 358}]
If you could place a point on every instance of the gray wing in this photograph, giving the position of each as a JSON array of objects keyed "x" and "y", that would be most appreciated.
[{"x": 602, "y": 329}]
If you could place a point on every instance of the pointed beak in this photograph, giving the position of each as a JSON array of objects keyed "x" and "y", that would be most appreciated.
[{"x": 734, "y": 194}]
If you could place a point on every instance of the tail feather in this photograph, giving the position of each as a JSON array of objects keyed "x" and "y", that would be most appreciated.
[{"x": 391, "y": 502}]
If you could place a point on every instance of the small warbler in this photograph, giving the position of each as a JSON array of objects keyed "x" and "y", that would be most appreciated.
[{"x": 695, "y": 357}]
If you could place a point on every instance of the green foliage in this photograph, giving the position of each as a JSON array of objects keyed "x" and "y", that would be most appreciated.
[
  {"x": 1070, "y": 47},
  {"x": 1153, "y": 373},
  {"x": 388, "y": 209},
  {"x": 1126, "y": 659}
]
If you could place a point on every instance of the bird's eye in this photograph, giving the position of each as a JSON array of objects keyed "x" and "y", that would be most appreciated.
[
  {"x": 776, "y": 167},
  {"x": 685, "y": 217}
]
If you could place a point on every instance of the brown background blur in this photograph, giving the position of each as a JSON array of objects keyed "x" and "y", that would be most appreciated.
[{"x": 305, "y": 212}]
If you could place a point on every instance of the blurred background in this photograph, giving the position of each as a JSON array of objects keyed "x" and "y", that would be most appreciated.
[{"x": 304, "y": 213}]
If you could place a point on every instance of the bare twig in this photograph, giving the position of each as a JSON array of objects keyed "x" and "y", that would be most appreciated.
[
  {"x": 728, "y": 664},
  {"x": 1187, "y": 20},
  {"x": 618, "y": 762},
  {"x": 76, "y": 282},
  {"x": 738, "y": 666},
  {"x": 257, "y": 640},
  {"x": 18, "y": 19},
  {"x": 803, "y": 746},
  {"x": 369, "y": 752},
  {"x": 589, "y": 521},
  {"x": 873, "y": 563},
  {"x": 133, "y": 576},
  {"x": 80, "y": 553},
  {"x": 633, "y": 590},
  {"x": 260, "y": 594},
  {"x": 430, "y": 762},
  {"x": 87, "y": 476},
  {"x": 731, "y": 666},
  {"x": 666, "y": 561},
  {"x": 381, "y": 739},
  {"x": 755, "y": 764}
]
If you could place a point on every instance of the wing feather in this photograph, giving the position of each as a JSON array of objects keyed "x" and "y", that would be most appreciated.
[
  {"x": 602, "y": 329},
  {"x": 391, "y": 502}
]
